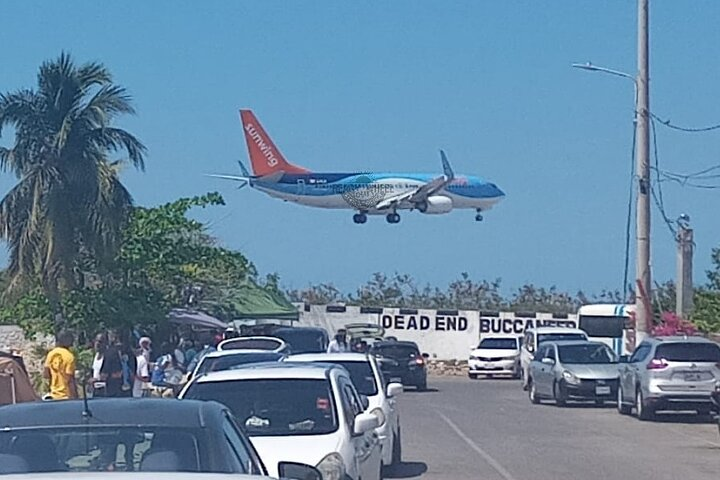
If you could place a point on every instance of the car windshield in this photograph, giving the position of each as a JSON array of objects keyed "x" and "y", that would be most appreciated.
[
  {"x": 226, "y": 362},
  {"x": 499, "y": 344},
  {"x": 688, "y": 352},
  {"x": 274, "y": 407},
  {"x": 397, "y": 352},
  {"x": 303, "y": 341},
  {"x": 552, "y": 337},
  {"x": 362, "y": 376},
  {"x": 586, "y": 354},
  {"x": 102, "y": 449},
  {"x": 252, "y": 344}
]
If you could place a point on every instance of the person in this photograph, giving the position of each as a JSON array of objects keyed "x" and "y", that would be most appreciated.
[
  {"x": 339, "y": 343},
  {"x": 142, "y": 374},
  {"x": 190, "y": 351},
  {"x": 60, "y": 368},
  {"x": 111, "y": 371},
  {"x": 360, "y": 347},
  {"x": 128, "y": 363},
  {"x": 145, "y": 345},
  {"x": 98, "y": 386}
]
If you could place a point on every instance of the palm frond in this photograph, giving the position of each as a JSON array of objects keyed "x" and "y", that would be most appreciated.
[{"x": 116, "y": 139}]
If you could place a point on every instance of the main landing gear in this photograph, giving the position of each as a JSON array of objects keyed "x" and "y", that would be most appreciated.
[
  {"x": 360, "y": 217},
  {"x": 393, "y": 218},
  {"x": 478, "y": 217}
]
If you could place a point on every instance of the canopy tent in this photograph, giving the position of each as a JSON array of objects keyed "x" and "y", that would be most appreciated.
[
  {"x": 15, "y": 385},
  {"x": 195, "y": 319},
  {"x": 250, "y": 302}
]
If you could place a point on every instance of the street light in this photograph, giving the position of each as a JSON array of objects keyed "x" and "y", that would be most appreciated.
[{"x": 641, "y": 119}]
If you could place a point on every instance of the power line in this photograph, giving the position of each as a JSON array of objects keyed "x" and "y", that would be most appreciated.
[
  {"x": 668, "y": 124},
  {"x": 628, "y": 221},
  {"x": 658, "y": 196}
]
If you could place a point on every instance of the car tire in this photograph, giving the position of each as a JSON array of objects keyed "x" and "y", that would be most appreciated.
[
  {"x": 560, "y": 397},
  {"x": 516, "y": 374},
  {"x": 643, "y": 410},
  {"x": 473, "y": 376},
  {"x": 532, "y": 393},
  {"x": 623, "y": 409},
  {"x": 397, "y": 450},
  {"x": 422, "y": 386}
]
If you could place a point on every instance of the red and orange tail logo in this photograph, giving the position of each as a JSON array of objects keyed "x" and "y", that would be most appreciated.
[{"x": 265, "y": 157}]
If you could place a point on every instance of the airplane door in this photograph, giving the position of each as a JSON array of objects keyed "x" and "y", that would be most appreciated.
[{"x": 301, "y": 186}]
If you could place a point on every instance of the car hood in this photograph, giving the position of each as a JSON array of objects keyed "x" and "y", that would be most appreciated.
[
  {"x": 593, "y": 371},
  {"x": 494, "y": 353},
  {"x": 307, "y": 449}
]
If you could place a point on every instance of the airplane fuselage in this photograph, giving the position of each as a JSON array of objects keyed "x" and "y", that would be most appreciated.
[{"x": 361, "y": 191}]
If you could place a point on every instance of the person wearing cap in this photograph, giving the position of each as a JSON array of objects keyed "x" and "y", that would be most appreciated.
[{"x": 145, "y": 345}]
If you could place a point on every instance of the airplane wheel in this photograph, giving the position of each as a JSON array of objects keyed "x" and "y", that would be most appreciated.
[
  {"x": 359, "y": 218},
  {"x": 393, "y": 218},
  {"x": 478, "y": 218}
]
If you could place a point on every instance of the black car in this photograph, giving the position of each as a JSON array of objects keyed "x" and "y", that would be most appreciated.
[
  {"x": 304, "y": 339},
  {"x": 124, "y": 434},
  {"x": 403, "y": 361}
]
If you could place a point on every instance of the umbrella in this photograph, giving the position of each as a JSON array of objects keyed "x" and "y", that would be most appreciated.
[{"x": 194, "y": 318}]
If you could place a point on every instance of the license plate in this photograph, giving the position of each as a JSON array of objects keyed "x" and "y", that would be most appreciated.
[
  {"x": 489, "y": 365},
  {"x": 602, "y": 390},
  {"x": 692, "y": 377}
]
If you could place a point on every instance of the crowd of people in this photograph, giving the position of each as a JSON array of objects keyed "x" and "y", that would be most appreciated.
[{"x": 121, "y": 370}]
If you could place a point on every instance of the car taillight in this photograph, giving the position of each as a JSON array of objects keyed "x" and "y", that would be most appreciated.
[
  {"x": 418, "y": 361},
  {"x": 657, "y": 364}
]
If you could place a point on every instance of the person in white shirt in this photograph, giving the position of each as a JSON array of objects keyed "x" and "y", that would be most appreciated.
[
  {"x": 339, "y": 343},
  {"x": 142, "y": 374}
]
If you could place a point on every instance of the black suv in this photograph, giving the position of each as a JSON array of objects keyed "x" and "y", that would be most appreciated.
[{"x": 402, "y": 361}]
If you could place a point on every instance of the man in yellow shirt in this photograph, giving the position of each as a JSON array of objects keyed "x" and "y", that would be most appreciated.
[{"x": 60, "y": 368}]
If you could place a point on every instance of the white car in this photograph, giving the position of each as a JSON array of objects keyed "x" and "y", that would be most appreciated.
[
  {"x": 533, "y": 337},
  {"x": 495, "y": 355},
  {"x": 369, "y": 381},
  {"x": 299, "y": 413},
  {"x": 227, "y": 359}
]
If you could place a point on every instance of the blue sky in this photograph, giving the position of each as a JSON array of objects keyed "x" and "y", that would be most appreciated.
[{"x": 348, "y": 86}]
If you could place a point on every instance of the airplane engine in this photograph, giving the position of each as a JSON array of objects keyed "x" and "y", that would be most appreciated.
[{"x": 436, "y": 204}]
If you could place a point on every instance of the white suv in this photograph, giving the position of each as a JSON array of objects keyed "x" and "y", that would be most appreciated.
[
  {"x": 369, "y": 381},
  {"x": 299, "y": 413}
]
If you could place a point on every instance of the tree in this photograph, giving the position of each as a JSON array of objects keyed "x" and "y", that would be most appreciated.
[
  {"x": 706, "y": 313},
  {"x": 68, "y": 210}
]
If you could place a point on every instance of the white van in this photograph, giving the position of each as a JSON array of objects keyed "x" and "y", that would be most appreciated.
[{"x": 534, "y": 336}]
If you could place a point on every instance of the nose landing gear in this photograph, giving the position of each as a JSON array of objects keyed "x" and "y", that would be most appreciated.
[{"x": 478, "y": 217}]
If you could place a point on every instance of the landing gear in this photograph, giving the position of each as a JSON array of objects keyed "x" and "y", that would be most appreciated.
[
  {"x": 478, "y": 217},
  {"x": 360, "y": 217},
  {"x": 393, "y": 218}
]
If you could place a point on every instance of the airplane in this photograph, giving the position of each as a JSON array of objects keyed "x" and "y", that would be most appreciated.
[{"x": 368, "y": 193}]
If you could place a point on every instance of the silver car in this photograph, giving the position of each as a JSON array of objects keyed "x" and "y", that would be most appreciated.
[
  {"x": 669, "y": 373},
  {"x": 573, "y": 370}
]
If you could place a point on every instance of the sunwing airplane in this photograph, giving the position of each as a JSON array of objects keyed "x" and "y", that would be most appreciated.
[{"x": 378, "y": 193}]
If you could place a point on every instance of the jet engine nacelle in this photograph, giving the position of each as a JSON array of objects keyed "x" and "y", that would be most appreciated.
[{"x": 436, "y": 204}]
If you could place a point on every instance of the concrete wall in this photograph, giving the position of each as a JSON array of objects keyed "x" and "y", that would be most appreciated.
[
  {"x": 12, "y": 339},
  {"x": 444, "y": 334}
]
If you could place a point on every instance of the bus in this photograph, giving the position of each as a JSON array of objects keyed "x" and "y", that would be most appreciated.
[{"x": 610, "y": 324}]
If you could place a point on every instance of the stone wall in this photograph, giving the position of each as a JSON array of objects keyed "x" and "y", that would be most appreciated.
[{"x": 13, "y": 340}]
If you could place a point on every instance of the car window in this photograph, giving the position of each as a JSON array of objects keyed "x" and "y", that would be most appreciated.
[
  {"x": 498, "y": 343},
  {"x": 398, "y": 352},
  {"x": 362, "y": 377},
  {"x": 688, "y": 352},
  {"x": 589, "y": 353},
  {"x": 640, "y": 354},
  {"x": 350, "y": 401},
  {"x": 540, "y": 354},
  {"x": 243, "y": 458}
]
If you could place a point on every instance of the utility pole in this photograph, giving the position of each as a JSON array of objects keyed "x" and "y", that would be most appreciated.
[
  {"x": 643, "y": 312},
  {"x": 684, "y": 286}
]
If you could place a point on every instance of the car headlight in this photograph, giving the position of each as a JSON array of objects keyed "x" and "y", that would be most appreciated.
[
  {"x": 332, "y": 467},
  {"x": 571, "y": 378},
  {"x": 473, "y": 358}
]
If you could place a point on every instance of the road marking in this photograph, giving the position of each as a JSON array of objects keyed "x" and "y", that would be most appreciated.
[{"x": 486, "y": 456}]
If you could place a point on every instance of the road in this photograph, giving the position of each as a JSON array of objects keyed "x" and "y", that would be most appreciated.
[{"x": 489, "y": 430}]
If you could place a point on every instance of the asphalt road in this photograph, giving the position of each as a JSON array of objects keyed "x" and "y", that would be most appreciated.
[{"x": 489, "y": 430}]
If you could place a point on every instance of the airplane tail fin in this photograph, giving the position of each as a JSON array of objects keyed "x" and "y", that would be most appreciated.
[
  {"x": 265, "y": 157},
  {"x": 447, "y": 169}
]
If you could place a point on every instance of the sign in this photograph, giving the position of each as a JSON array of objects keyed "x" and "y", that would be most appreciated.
[
  {"x": 517, "y": 326},
  {"x": 435, "y": 323}
]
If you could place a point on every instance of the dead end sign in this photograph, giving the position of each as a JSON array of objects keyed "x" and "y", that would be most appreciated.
[{"x": 438, "y": 323}]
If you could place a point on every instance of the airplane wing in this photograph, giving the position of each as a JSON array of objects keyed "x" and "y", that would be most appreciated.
[{"x": 421, "y": 193}]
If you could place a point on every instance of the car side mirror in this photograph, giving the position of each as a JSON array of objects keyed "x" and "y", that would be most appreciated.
[
  {"x": 298, "y": 471},
  {"x": 364, "y": 422},
  {"x": 548, "y": 361},
  {"x": 394, "y": 389},
  {"x": 624, "y": 359},
  {"x": 364, "y": 401}
]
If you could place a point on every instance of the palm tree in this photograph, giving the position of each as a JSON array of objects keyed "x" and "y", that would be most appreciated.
[{"x": 69, "y": 206}]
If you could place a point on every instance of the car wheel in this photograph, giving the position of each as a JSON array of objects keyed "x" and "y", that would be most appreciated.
[
  {"x": 422, "y": 386},
  {"x": 397, "y": 450},
  {"x": 532, "y": 392},
  {"x": 644, "y": 412},
  {"x": 473, "y": 376},
  {"x": 517, "y": 373},
  {"x": 559, "y": 395},
  {"x": 623, "y": 409}
]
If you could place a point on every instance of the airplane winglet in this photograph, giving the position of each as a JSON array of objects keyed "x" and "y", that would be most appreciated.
[{"x": 447, "y": 169}]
